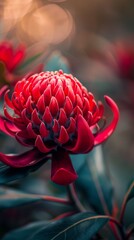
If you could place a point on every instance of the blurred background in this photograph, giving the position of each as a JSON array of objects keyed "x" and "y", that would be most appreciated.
[{"x": 94, "y": 40}]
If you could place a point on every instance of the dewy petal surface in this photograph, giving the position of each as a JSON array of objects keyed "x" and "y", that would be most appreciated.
[{"x": 62, "y": 171}]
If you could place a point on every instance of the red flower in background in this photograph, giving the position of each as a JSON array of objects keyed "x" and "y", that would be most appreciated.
[
  {"x": 53, "y": 113},
  {"x": 125, "y": 60},
  {"x": 10, "y": 59}
]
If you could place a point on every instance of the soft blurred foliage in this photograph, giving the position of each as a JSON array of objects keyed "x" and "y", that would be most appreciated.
[{"x": 94, "y": 40}]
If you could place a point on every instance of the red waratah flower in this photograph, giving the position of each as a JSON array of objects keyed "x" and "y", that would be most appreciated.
[
  {"x": 11, "y": 59},
  {"x": 53, "y": 113}
]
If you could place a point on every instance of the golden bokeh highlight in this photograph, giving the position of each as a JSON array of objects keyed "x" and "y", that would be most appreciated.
[
  {"x": 49, "y": 23},
  {"x": 56, "y": 1},
  {"x": 14, "y": 11}
]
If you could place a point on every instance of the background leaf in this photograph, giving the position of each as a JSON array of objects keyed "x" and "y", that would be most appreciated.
[
  {"x": 9, "y": 174},
  {"x": 93, "y": 182},
  {"x": 79, "y": 226},
  {"x": 129, "y": 195},
  {"x": 12, "y": 198},
  {"x": 25, "y": 232},
  {"x": 56, "y": 61},
  {"x": 29, "y": 61}
]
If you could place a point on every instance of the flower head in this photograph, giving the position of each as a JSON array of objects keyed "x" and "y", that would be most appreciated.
[
  {"x": 10, "y": 59},
  {"x": 54, "y": 114}
]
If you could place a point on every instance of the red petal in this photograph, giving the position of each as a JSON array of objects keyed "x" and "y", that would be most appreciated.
[
  {"x": 43, "y": 130},
  {"x": 23, "y": 134},
  {"x": 18, "y": 122},
  {"x": 71, "y": 95},
  {"x": 62, "y": 117},
  {"x": 7, "y": 115},
  {"x": 11, "y": 128},
  {"x": 78, "y": 90},
  {"x": 36, "y": 92},
  {"x": 72, "y": 126},
  {"x": 41, "y": 104},
  {"x": 85, "y": 105},
  {"x": 63, "y": 137},
  {"x": 92, "y": 106},
  {"x": 47, "y": 117},
  {"x": 29, "y": 105},
  {"x": 24, "y": 141},
  {"x": 19, "y": 86},
  {"x": 26, "y": 91},
  {"x": 3, "y": 90},
  {"x": 30, "y": 130},
  {"x": 77, "y": 111},
  {"x": 24, "y": 116},
  {"x": 62, "y": 171},
  {"x": 7, "y": 100},
  {"x": 9, "y": 125},
  {"x": 20, "y": 54},
  {"x": 21, "y": 101},
  {"x": 55, "y": 126},
  {"x": 101, "y": 108},
  {"x": 85, "y": 138},
  {"x": 68, "y": 107},
  {"x": 79, "y": 101},
  {"x": 47, "y": 95},
  {"x": 35, "y": 117},
  {"x": 43, "y": 85},
  {"x": 99, "y": 113},
  {"x": 53, "y": 106},
  {"x": 22, "y": 160},
  {"x": 60, "y": 96},
  {"x": 102, "y": 136},
  {"x": 41, "y": 146},
  {"x": 89, "y": 118}
]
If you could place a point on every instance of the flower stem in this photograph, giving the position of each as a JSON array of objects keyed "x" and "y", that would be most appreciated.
[
  {"x": 57, "y": 200},
  {"x": 63, "y": 215},
  {"x": 130, "y": 232},
  {"x": 74, "y": 197},
  {"x": 116, "y": 225},
  {"x": 125, "y": 202},
  {"x": 115, "y": 231}
]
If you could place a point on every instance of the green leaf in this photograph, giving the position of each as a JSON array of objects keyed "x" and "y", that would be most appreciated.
[
  {"x": 29, "y": 61},
  {"x": 129, "y": 195},
  {"x": 9, "y": 174},
  {"x": 25, "y": 232},
  {"x": 94, "y": 184},
  {"x": 81, "y": 226},
  {"x": 56, "y": 61},
  {"x": 10, "y": 198}
]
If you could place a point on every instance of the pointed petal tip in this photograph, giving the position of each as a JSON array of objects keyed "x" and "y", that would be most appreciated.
[
  {"x": 106, "y": 133},
  {"x": 3, "y": 90},
  {"x": 113, "y": 106},
  {"x": 64, "y": 177},
  {"x": 85, "y": 138}
]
